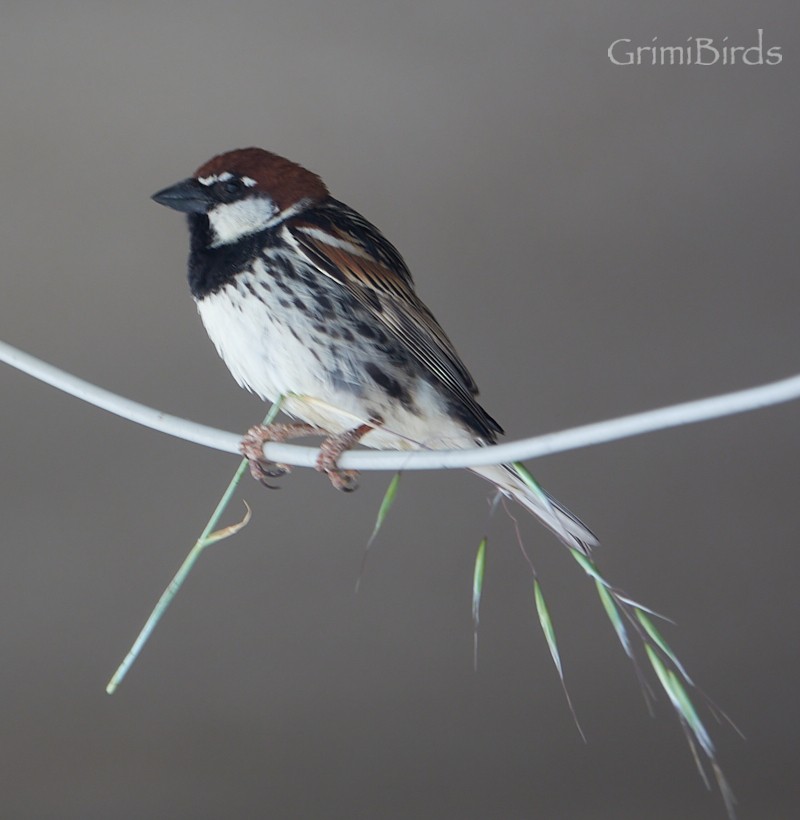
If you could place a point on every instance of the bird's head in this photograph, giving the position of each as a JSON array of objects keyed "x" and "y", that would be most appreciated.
[{"x": 243, "y": 192}]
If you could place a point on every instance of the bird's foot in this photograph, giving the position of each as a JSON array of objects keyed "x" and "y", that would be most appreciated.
[
  {"x": 332, "y": 448},
  {"x": 252, "y": 448}
]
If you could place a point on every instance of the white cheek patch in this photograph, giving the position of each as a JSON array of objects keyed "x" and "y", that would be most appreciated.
[{"x": 233, "y": 220}]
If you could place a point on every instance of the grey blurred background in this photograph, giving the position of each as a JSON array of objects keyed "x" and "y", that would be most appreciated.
[{"x": 596, "y": 239}]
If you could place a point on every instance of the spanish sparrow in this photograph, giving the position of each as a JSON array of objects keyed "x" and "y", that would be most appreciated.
[{"x": 306, "y": 299}]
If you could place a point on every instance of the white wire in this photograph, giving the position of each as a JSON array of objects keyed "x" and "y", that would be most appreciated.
[{"x": 649, "y": 421}]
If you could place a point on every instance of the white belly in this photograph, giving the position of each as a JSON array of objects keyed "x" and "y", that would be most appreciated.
[
  {"x": 276, "y": 351},
  {"x": 257, "y": 346}
]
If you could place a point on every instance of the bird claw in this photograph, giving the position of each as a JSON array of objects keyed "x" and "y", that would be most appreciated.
[
  {"x": 329, "y": 452},
  {"x": 261, "y": 469},
  {"x": 344, "y": 480},
  {"x": 252, "y": 448},
  {"x": 273, "y": 469}
]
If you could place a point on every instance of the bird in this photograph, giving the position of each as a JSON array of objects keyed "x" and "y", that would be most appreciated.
[{"x": 306, "y": 301}]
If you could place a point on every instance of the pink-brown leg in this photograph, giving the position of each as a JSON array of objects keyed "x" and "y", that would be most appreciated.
[
  {"x": 252, "y": 447},
  {"x": 332, "y": 448}
]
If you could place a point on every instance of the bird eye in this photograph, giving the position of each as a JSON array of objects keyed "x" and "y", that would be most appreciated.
[{"x": 229, "y": 189}]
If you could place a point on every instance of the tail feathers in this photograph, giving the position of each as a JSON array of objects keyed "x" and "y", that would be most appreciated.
[{"x": 556, "y": 517}]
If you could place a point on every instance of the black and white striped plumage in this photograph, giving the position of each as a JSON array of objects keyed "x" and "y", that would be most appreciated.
[{"x": 305, "y": 299}]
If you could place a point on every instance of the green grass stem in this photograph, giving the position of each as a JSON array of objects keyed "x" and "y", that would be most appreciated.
[{"x": 210, "y": 535}]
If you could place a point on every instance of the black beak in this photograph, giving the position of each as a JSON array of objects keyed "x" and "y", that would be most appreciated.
[{"x": 188, "y": 196}]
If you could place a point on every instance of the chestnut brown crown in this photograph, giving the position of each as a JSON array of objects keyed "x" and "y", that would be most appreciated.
[{"x": 284, "y": 181}]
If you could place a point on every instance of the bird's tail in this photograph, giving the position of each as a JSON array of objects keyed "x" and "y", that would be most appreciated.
[{"x": 515, "y": 481}]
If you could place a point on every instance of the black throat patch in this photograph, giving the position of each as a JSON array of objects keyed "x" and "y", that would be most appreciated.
[{"x": 211, "y": 268}]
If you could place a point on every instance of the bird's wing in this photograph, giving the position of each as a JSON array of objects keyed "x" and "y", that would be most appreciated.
[{"x": 345, "y": 247}]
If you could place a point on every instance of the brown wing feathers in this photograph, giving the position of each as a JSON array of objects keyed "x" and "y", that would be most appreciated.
[{"x": 365, "y": 263}]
